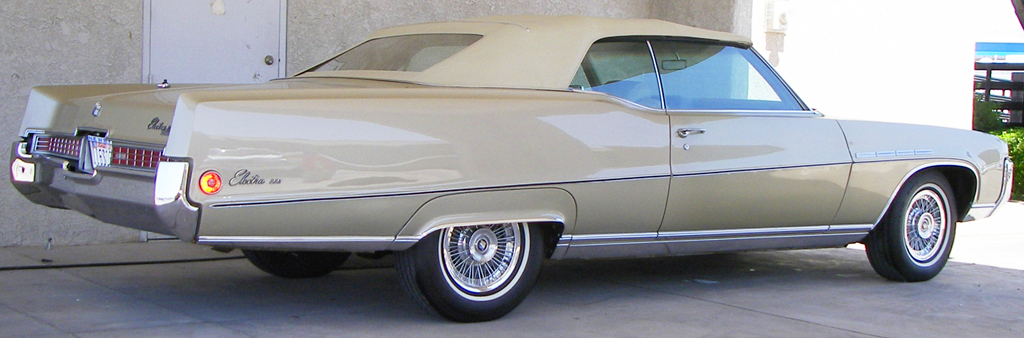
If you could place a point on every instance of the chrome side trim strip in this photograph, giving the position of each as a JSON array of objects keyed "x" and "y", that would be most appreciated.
[
  {"x": 542, "y": 184},
  {"x": 614, "y": 237},
  {"x": 620, "y": 100},
  {"x": 758, "y": 113},
  {"x": 415, "y": 193},
  {"x": 404, "y": 242},
  {"x": 330, "y": 243},
  {"x": 755, "y": 170},
  {"x": 560, "y": 250},
  {"x": 895, "y": 153},
  {"x": 980, "y": 211},
  {"x": 742, "y": 232},
  {"x": 292, "y": 239},
  {"x": 851, "y": 228},
  {"x": 712, "y": 235},
  {"x": 688, "y": 246},
  {"x": 749, "y": 238}
]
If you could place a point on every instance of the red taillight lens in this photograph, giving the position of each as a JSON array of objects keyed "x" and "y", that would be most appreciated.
[
  {"x": 136, "y": 157},
  {"x": 210, "y": 182}
]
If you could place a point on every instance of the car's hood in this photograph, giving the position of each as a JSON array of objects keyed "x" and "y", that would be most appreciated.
[{"x": 142, "y": 112}]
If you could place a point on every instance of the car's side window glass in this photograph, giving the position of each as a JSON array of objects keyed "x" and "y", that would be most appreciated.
[
  {"x": 620, "y": 68},
  {"x": 707, "y": 76}
]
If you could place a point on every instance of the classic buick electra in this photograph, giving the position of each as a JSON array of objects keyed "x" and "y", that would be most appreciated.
[{"x": 473, "y": 150}]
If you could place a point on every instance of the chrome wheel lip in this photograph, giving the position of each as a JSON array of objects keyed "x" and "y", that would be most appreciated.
[
  {"x": 483, "y": 273},
  {"x": 926, "y": 226}
]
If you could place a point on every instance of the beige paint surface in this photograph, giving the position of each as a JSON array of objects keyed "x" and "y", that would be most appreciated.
[{"x": 100, "y": 42}]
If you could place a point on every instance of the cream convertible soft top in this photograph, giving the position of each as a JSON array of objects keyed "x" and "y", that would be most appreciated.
[{"x": 524, "y": 51}]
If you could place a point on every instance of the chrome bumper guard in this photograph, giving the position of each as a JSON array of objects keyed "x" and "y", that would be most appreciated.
[{"x": 129, "y": 198}]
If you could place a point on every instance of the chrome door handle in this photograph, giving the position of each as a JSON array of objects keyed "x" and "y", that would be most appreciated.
[{"x": 683, "y": 133}]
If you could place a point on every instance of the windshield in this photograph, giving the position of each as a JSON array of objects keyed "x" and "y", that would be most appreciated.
[{"x": 405, "y": 53}]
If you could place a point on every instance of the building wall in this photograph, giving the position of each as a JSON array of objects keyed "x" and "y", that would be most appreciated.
[
  {"x": 51, "y": 42},
  {"x": 898, "y": 61},
  {"x": 46, "y": 42}
]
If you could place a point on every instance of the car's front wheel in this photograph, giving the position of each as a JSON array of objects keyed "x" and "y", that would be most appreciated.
[
  {"x": 913, "y": 241},
  {"x": 473, "y": 273},
  {"x": 296, "y": 264}
]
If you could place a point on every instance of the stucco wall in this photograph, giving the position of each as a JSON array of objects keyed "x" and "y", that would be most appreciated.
[
  {"x": 47, "y": 42},
  {"x": 726, "y": 16}
]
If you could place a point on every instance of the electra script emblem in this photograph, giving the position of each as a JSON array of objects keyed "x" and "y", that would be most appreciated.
[
  {"x": 156, "y": 124},
  {"x": 245, "y": 177}
]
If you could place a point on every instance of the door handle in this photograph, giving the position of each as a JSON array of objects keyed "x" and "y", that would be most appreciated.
[{"x": 683, "y": 133}]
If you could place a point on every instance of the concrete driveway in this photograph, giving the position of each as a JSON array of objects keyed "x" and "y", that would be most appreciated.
[{"x": 176, "y": 289}]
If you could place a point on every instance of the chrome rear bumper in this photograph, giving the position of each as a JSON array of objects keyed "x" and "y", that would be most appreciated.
[{"x": 129, "y": 198}]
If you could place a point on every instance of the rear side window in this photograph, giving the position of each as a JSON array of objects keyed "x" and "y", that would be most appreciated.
[
  {"x": 404, "y": 53},
  {"x": 706, "y": 76},
  {"x": 620, "y": 68}
]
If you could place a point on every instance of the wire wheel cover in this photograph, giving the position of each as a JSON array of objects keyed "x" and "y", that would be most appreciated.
[
  {"x": 480, "y": 259},
  {"x": 925, "y": 228}
]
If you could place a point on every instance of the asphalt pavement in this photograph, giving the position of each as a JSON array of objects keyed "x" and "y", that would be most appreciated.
[{"x": 169, "y": 288}]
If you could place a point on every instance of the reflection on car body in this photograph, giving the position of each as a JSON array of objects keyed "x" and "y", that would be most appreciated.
[{"x": 475, "y": 149}]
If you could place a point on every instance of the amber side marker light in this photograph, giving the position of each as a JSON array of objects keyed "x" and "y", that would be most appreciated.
[{"x": 210, "y": 182}]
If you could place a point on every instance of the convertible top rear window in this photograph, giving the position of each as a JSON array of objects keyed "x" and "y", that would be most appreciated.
[{"x": 405, "y": 53}]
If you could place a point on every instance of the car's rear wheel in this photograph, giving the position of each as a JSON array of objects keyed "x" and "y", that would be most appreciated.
[
  {"x": 296, "y": 264},
  {"x": 913, "y": 241},
  {"x": 473, "y": 273}
]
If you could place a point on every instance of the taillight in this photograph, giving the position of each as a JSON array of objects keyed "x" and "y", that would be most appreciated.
[
  {"x": 210, "y": 182},
  {"x": 136, "y": 157},
  {"x": 58, "y": 145}
]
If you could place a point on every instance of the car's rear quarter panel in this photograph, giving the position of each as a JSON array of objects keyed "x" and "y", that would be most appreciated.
[{"x": 360, "y": 162}]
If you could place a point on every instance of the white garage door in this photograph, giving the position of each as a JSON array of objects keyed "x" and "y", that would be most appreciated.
[{"x": 213, "y": 41}]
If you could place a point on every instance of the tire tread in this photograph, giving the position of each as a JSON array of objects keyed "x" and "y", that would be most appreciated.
[{"x": 883, "y": 245}]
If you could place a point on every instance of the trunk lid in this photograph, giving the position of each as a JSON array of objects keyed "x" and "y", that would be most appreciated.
[{"x": 139, "y": 113}]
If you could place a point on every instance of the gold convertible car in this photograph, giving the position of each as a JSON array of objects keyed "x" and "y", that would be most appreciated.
[{"x": 475, "y": 149}]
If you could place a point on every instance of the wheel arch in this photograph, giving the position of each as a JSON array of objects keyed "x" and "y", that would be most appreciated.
[
  {"x": 962, "y": 178},
  {"x": 965, "y": 187},
  {"x": 552, "y": 208}
]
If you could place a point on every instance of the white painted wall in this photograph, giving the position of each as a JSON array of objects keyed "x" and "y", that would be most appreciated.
[{"x": 899, "y": 61}]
